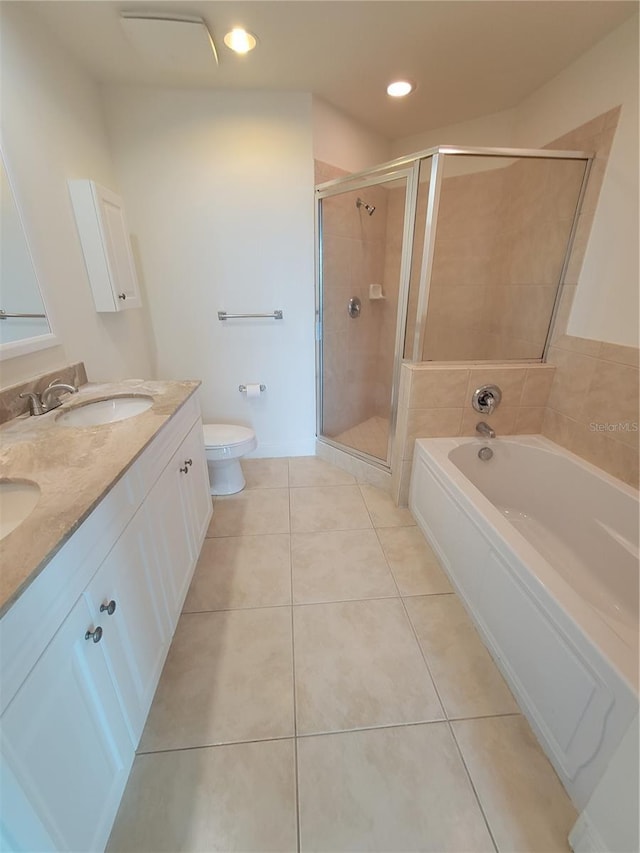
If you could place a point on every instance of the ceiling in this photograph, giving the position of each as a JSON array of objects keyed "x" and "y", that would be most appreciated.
[{"x": 468, "y": 57}]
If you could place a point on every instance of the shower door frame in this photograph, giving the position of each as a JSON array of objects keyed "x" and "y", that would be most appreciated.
[
  {"x": 409, "y": 171},
  {"x": 410, "y": 166}
]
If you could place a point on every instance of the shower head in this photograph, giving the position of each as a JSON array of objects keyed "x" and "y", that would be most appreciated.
[{"x": 368, "y": 207}]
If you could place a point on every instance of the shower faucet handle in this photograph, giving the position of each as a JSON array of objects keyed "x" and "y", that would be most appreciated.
[{"x": 486, "y": 399}]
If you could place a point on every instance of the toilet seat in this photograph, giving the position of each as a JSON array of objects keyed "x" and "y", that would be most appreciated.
[{"x": 224, "y": 437}]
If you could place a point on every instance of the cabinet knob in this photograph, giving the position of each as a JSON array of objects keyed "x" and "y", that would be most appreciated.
[
  {"x": 109, "y": 608},
  {"x": 96, "y": 635},
  {"x": 188, "y": 461},
  {"x": 185, "y": 470},
  {"x": 122, "y": 296}
]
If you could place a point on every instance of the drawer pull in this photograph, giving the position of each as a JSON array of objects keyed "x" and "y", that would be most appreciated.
[
  {"x": 109, "y": 608},
  {"x": 96, "y": 635}
]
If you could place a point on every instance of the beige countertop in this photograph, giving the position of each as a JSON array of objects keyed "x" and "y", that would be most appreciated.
[{"x": 75, "y": 467}]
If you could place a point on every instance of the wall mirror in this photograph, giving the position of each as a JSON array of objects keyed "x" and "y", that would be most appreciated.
[{"x": 25, "y": 324}]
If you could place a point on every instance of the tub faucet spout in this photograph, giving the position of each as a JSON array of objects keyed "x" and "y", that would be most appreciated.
[{"x": 484, "y": 429}]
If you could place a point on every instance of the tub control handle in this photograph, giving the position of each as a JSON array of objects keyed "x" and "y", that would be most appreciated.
[{"x": 486, "y": 399}]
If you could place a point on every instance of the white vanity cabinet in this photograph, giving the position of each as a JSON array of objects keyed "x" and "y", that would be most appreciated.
[
  {"x": 104, "y": 235},
  {"x": 84, "y": 646},
  {"x": 65, "y": 741},
  {"x": 180, "y": 505},
  {"x": 126, "y": 601}
]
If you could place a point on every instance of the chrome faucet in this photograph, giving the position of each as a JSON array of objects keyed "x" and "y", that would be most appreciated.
[
  {"x": 483, "y": 428},
  {"x": 39, "y": 404}
]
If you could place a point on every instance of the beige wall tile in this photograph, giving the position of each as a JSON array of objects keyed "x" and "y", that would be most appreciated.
[
  {"x": 503, "y": 420},
  {"x": 618, "y": 459},
  {"x": 529, "y": 420},
  {"x": 438, "y": 387},
  {"x": 431, "y": 423},
  {"x": 537, "y": 386},
  {"x": 572, "y": 380},
  {"x": 613, "y": 398},
  {"x": 620, "y": 354},
  {"x": 585, "y": 346},
  {"x": 558, "y": 428}
]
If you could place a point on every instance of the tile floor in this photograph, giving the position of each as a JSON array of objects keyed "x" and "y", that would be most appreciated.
[{"x": 325, "y": 691}]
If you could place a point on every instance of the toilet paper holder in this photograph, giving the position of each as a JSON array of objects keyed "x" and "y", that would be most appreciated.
[{"x": 244, "y": 387}]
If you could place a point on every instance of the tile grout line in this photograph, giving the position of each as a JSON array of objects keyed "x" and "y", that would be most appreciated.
[
  {"x": 307, "y": 735},
  {"x": 293, "y": 675},
  {"x": 442, "y": 705}
]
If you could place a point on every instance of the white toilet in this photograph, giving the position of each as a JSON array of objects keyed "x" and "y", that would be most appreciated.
[{"x": 224, "y": 445}]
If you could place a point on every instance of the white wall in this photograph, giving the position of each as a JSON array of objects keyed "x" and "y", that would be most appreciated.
[
  {"x": 341, "y": 141},
  {"x": 53, "y": 130},
  {"x": 219, "y": 193},
  {"x": 495, "y": 130},
  {"x": 606, "y": 303}
]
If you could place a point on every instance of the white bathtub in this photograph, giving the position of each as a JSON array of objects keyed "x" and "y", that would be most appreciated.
[{"x": 543, "y": 549}]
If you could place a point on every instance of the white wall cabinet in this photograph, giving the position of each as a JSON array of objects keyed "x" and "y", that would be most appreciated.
[
  {"x": 73, "y": 716},
  {"x": 106, "y": 246}
]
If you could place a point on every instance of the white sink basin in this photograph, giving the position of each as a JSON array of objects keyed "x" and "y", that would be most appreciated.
[
  {"x": 104, "y": 411},
  {"x": 17, "y": 502}
]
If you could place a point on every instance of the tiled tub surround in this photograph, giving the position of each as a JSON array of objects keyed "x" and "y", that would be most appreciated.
[
  {"x": 74, "y": 468},
  {"x": 326, "y": 691},
  {"x": 435, "y": 400},
  {"x": 593, "y": 407},
  {"x": 542, "y": 547}
]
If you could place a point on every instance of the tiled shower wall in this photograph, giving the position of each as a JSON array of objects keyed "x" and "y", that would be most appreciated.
[
  {"x": 359, "y": 250},
  {"x": 500, "y": 244},
  {"x": 435, "y": 401}
]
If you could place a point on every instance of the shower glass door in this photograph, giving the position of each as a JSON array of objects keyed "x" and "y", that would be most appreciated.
[{"x": 363, "y": 285}]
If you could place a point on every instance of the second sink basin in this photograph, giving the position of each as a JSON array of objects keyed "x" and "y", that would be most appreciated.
[
  {"x": 17, "y": 501},
  {"x": 101, "y": 412}
]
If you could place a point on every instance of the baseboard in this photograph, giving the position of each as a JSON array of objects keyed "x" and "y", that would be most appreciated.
[{"x": 292, "y": 448}]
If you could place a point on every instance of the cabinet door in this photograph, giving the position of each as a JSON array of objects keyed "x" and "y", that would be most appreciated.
[
  {"x": 180, "y": 505},
  {"x": 195, "y": 487},
  {"x": 117, "y": 246},
  {"x": 137, "y": 633},
  {"x": 66, "y": 749}
]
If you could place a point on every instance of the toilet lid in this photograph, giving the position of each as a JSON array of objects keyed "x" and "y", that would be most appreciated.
[{"x": 225, "y": 435}]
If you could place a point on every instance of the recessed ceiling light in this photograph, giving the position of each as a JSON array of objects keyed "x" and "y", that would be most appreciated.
[
  {"x": 240, "y": 40},
  {"x": 400, "y": 88}
]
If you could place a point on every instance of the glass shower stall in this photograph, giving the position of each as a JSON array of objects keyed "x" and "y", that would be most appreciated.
[{"x": 450, "y": 254}]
